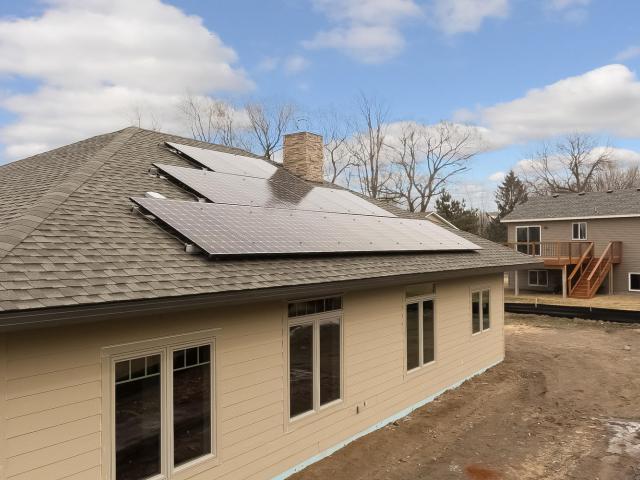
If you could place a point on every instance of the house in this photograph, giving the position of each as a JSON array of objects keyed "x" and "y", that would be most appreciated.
[
  {"x": 175, "y": 309},
  {"x": 588, "y": 242}
]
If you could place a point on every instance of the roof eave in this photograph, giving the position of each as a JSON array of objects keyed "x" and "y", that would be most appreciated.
[
  {"x": 555, "y": 219},
  {"x": 76, "y": 314}
]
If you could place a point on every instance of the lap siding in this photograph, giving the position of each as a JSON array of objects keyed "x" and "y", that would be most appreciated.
[{"x": 51, "y": 404}]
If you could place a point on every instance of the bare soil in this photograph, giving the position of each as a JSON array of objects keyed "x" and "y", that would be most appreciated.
[{"x": 565, "y": 404}]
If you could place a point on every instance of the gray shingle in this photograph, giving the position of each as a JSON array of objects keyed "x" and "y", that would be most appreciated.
[
  {"x": 575, "y": 205},
  {"x": 92, "y": 248}
]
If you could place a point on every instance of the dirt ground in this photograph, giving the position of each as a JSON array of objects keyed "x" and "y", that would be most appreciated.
[{"x": 565, "y": 404}]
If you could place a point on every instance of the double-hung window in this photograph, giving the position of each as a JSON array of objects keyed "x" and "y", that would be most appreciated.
[
  {"x": 579, "y": 231},
  {"x": 420, "y": 329},
  {"x": 480, "y": 311},
  {"x": 162, "y": 409},
  {"x": 315, "y": 354}
]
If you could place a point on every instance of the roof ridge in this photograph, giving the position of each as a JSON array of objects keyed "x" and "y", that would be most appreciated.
[{"x": 20, "y": 228}]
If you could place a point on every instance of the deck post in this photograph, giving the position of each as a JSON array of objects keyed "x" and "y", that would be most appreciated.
[
  {"x": 611, "y": 279},
  {"x": 516, "y": 287},
  {"x": 564, "y": 281}
]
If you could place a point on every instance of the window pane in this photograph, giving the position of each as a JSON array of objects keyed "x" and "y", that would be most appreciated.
[
  {"x": 137, "y": 412},
  {"x": 543, "y": 278},
  {"x": 428, "y": 339},
  {"x": 192, "y": 406},
  {"x": 413, "y": 336},
  {"x": 300, "y": 369},
  {"x": 486, "y": 317},
  {"x": 634, "y": 281},
  {"x": 533, "y": 277},
  {"x": 329, "y": 361},
  {"x": 475, "y": 312},
  {"x": 583, "y": 231},
  {"x": 576, "y": 230},
  {"x": 521, "y": 234},
  {"x": 534, "y": 234}
]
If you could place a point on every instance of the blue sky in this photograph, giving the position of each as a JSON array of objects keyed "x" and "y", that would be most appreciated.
[{"x": 69, "y": 68}]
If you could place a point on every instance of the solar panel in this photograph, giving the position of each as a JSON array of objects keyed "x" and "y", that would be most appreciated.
[
  {"x": 282, "y": 190},
  {"x": 227, "y": 162},
  {"x": 225, "y": 230}
]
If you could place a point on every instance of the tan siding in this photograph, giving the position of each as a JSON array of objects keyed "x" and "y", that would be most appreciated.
[
  {"x": 3, "y": 407},
  {"x": 55, "y": 397},
  {"x": 600, "y": 231}
]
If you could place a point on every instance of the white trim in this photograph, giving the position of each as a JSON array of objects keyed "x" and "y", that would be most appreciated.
[
  {"x": 379, "y": 425},
  {"x": 420, "y": 299},
  {"x": 595, "y": 217},
  {"x": 314, "y": 320},
  {"x": 585, "y": 230},
  {"x": 539, "y": 227},
  {"x": 163, "y": 346},
  {"x": 629, "y": 284},
  {"x": 480, "y": 291},
  {"x": 441, "y": 218},
  {"x": 538, "y": 276}
]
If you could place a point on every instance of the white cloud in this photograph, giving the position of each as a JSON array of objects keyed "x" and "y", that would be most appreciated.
[
  {"x": 628, "y": 53},
  {"x": 570, "y": 10},
  {"x": 497, "y": 176},
  {"x": 603, "y": 101},
  {"x": 368, "y": 30},
  {"x": 268, "y": 64},
  {"x": 459, "y": 16},
  {"x": 98, "y": 60},
  {"x": 295, "y": 64}
]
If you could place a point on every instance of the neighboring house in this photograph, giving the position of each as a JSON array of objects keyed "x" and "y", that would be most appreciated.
[
  {"x": 185, "y": 310},
  {"x": 588, "y": 242}
]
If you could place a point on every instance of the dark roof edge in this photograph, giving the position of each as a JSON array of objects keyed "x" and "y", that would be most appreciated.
[
  {"x": 58, "y": 316},
  {"x": 20, "y": 228}
]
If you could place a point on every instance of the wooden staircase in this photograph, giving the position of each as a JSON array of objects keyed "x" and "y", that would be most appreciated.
[{"x": 590, "y": 271}]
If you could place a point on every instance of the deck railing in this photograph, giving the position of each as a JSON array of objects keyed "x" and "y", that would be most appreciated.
[
  {"x": 611, "y": 255},
  {"x": 583, "y": 263},
  {"x": 567, "y": 252}
]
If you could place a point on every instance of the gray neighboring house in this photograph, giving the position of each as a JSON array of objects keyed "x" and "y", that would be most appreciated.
[{"x": 588, "y": 242}]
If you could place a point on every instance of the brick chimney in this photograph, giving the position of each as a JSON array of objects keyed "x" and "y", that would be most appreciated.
[{"x": 303, "y": 155}]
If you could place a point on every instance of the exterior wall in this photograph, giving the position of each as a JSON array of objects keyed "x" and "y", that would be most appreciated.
[
  {"x": 55, "y": 382},
  {"x": 600, "y": 231}
]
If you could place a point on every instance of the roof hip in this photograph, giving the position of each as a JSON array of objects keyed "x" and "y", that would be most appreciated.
[{"x": 20, "y": 228}]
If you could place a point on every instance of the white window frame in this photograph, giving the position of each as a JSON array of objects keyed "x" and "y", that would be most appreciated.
[
  {"x": 629, "y": 284},
  {"x": 539, "y": 227},
  {"x": 419, "y": 300},
  {"x": 315, "y": 320},
  {"x": 585, "y": 230},
  {"x": 481, "y": 292},
  {"x": 164, "y": 347},
  {"x": 538, "y": 284}
]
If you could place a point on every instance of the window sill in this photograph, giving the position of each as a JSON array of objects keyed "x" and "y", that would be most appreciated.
[
  {"x": 312, "y": 415},
  {"x": 195, "y": 467},
  {"x": 422, "y": 368}
]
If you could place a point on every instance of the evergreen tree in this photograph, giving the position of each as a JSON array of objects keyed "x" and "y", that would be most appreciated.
[
  {"x": 456, "y": 212},
  {"x": 510, "y": 193}
]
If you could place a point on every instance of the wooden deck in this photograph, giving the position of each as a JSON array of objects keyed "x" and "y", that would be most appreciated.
[{"x": 619, "y": 302}]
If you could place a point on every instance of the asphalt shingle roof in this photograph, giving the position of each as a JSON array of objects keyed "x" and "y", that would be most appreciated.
[
  {"x": 575, "y": 205},
  {"x": 68, "y": 235}
]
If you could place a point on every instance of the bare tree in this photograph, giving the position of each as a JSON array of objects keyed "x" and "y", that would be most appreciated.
[
  {"x": 614, "y": 177},
  {"x": 338, "y": 161},
  {"x": 267, "y": 124},
  {"x": 144, "y": 117},
  {"x": 426, "y": 158},
  {"x": 367, "y": 145},
  {"x": 212, "y": 121},
  {"x": 571, "y": 165}
]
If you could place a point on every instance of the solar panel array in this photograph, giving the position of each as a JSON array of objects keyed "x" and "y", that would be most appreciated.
[
  {"x": 281, "y": 190},
  {"x": 227, "y": 162},
  {"x": 227, "y": 230}
]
